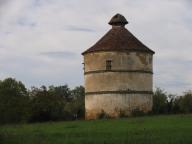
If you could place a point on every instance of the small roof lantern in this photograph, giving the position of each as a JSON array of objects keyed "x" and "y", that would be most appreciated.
[{"x": 118, "y": 20}]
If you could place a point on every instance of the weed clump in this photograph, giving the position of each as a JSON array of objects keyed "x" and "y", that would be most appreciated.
[{"x": 103, "y": 115}]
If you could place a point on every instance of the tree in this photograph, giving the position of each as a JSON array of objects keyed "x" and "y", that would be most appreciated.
[
  {"x": 45, "y": 105},
  {"x": 171, "y": 104},
  {"x": 177, "y": 105},
  {"x": 186, "y": 102},
  {"x": 159, "y": 102},
  {"x": 56, "y": 103},
  {"x": 78, "y": 103},
  {"x": 78, "y": 92},
  {"x": 14, "y": 101},
  {"x": 61, "y": 91}
]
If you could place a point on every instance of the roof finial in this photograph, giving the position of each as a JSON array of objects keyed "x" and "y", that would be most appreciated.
[{"x": 118, "y": 20}]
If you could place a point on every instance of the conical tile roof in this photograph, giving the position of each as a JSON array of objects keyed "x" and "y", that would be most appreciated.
[{"x": 118, "y": 39}]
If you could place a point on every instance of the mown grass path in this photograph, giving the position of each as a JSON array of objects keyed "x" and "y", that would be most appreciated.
[{"x": 172, "y": 129}]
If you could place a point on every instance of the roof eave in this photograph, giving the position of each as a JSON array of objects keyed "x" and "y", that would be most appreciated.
[{"x": 127, "y": 50}]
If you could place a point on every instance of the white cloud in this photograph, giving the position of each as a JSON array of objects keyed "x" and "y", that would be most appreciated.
[{"x": 31, "y": 27}]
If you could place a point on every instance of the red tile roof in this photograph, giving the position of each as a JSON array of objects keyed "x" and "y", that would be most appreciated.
[{"x": 118, "y": 39}]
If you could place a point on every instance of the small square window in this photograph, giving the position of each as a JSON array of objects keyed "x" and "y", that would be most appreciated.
[{"x": 108, "y": 64}]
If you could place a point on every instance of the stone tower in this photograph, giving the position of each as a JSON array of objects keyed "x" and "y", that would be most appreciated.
[{"x": 118, "y": 73}]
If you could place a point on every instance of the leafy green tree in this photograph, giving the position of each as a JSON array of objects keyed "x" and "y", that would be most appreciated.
[
  {"x": 177, "y": 105},
  {"x": 57, "y": 103},
  {"x": 78, "y": 92},
  {"x": 159, "y": 101},
  {"x": 61, "y": 91},
  {"x": 171, "y": 105},
  {"x": 186, "y": 102},
  {"x": 45, "y": 105},
  {"x": 14, "y": 101},
  {"x": 78, "y": 103}
]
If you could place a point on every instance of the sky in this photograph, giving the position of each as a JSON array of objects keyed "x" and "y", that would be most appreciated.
[{"x": 41, "y": 41}]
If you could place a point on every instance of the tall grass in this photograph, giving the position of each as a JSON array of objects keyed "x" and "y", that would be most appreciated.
[{"x": 170, "y": 129}]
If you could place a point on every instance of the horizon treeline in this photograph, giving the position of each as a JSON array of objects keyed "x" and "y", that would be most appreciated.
[
  {"x": 57, "y": 103},
  {"x": 164, "y": 103},
  {"x": 54, "y": 103}
]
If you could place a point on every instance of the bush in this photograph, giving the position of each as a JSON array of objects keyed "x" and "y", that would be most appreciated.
[
  {"x": 103, "y": 115},
  {"x": 137, "y": 112},
  {"x": 122, "y": 113}
]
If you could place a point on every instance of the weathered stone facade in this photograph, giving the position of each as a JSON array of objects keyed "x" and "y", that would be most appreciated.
[{"x": 122, "y": 86}]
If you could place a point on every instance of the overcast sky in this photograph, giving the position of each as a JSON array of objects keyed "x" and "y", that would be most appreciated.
[{"x": 41, "y": 40}]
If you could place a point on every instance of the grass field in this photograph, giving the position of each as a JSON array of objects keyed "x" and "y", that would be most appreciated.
[{"x": 175, "y": 129}]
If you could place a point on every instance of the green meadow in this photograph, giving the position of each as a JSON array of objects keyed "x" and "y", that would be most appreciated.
[{"x": 168, "y": 129}]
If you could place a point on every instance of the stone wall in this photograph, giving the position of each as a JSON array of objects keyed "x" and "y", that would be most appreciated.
[
  {"x": 120, "y": 61},
  {"x": 128, "y": 85},
  {"x": 114, "y": 104},
  {"x": 118, "y": 81}
]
